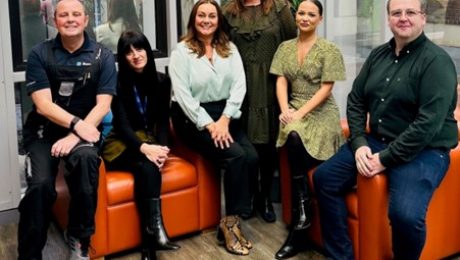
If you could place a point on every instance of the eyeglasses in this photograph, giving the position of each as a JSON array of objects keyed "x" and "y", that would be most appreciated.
[{"x": 410, "y": 13}]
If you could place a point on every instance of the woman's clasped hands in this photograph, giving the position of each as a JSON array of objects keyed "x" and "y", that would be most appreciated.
[
  {"x": 155, "y": 153},
  {"x": 220, "y": 133},
  {"x": 289, "y": 116}
]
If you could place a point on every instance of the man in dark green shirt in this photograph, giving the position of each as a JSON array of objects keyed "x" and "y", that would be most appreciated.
[{"x": 406, "y": 93}]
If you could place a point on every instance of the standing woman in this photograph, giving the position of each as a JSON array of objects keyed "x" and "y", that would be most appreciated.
[
  {"x": 309, "y": 120},
  {"x": 209, "y": 85},
  {"x": 257, "y": 27},
  {"x": 138, "y": 142}
]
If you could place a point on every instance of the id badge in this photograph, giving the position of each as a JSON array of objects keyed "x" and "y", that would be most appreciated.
[{"x": 66, "y": 88}]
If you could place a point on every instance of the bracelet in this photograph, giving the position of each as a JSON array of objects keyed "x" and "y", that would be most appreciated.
[{"x": 74, "y": 121}]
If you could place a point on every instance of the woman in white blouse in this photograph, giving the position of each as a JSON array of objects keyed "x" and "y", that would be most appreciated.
[{"x": 209, "y": 86}]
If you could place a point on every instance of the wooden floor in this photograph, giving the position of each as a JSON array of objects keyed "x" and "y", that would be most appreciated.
[{"x": 267, "y": 238}]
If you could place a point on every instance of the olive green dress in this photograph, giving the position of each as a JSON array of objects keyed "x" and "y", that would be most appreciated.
[
  {"x": 257, "y": 37},
  {"x": 320, "y": 129}
]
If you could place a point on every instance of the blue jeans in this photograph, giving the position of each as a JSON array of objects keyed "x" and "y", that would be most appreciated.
[{"x": 411, "y": 186}]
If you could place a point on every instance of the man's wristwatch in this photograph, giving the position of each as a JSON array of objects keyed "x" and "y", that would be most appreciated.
[{"x": 74, "y": 121}]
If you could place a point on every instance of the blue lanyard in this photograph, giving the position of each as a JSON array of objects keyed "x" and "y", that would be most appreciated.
[{"x": 141, "y": 106}]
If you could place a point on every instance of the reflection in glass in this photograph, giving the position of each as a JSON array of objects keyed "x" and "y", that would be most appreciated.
[{"x": 121, "y": 15}]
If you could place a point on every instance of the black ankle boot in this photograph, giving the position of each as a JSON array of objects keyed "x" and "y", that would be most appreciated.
[
  {"x": 153, "y": 229},
  {"x": 290, "y": 247},
  {"x": 266, "y": 210},
  {"x": 303, "y": 211}
]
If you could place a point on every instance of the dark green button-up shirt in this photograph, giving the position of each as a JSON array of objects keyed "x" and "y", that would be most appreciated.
[{"x": 409, "y": 98}]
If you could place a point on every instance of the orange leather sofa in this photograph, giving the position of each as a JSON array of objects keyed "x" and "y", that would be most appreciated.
[
  {"x": 368, "y": 223},
  {"x": 190, "y": 194}
]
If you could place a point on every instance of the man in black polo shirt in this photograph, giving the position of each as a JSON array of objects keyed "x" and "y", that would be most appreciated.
[
  {"x": 407, "y": 87},
  {"x": 71, "y": 80}
]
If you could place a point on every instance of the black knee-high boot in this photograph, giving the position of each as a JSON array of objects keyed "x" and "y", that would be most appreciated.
[
  {"x": 267, "y": 164},
  {"x": 301, "y": 219},
  {"x": 154, "y": 235}
]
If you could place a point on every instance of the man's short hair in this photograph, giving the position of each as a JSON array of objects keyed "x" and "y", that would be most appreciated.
[
  {"x": 423, "y": 4},
  {"x": 81, "y": 1}
]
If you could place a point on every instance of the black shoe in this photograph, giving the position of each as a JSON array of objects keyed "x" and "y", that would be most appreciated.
[
  {"x": 290, "y": 247},
  {"x": 266, "y": 210}
]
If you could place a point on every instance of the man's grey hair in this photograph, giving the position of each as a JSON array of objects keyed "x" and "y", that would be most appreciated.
[{"x": 423, "y": 4}]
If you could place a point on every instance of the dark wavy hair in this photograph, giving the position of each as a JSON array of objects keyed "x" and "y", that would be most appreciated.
[
  {"x": 220, "y": 41},
  {"x": 126, "y": 74}
]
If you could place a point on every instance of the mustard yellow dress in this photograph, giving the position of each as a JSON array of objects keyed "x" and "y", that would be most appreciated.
[{"x": 320, "y": 129}]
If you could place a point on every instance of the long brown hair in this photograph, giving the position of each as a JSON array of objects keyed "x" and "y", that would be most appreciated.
[
  {"x": 235, "y": 7},
  {"x": 220, "y": 39}
]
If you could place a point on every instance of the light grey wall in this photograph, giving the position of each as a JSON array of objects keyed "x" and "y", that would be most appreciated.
[{"x": 9, "y": 179}]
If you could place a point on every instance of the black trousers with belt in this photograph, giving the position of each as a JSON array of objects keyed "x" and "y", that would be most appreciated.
[
  {"x": 82, "y": 166},
  {"x": 237, "y": 161}
]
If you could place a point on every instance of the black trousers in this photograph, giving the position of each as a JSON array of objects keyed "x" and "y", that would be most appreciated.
[
  {"x": 237, "y": 161},
  {"x": 147, "y": 176},
  {"x": 82, "y": 166}
]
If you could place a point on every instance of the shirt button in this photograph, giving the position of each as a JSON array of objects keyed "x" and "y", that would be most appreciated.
[
  {"x": 396, "y": 61},
  {"x": 408, "y": 51},
  {"x": 382, "y": 99},
  {"x": 398, "y": 79},
  {"x": 383, "y": 139},
  {"x": 380, "y": 120},
  {"x": 387, "y": 79}
]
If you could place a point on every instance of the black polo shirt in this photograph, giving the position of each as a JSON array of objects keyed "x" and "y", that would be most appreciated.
[
  {"x": 36, "y": 77},
  {"x": 410, "y": 99}
]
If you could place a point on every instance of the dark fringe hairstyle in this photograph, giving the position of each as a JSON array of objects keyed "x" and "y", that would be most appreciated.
[{"x": 126, "y": 75}]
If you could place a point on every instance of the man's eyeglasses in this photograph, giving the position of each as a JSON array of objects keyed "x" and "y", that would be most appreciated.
[{"x": 409, "y": 13}]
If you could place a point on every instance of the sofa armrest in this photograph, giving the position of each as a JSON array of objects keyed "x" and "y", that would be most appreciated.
[
  {"x": 442, "y": 215},
  {"x": 374, "y": 231},
  {"x": 208, "y": 182},
  {"x": 99, "y": 241}
]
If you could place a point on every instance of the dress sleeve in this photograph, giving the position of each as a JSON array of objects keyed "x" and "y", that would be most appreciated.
[
  {"x": 277, "y": 67},
  {"x": 334, "y": 67}
]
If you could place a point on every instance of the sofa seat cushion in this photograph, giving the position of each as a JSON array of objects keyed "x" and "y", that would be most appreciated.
[{"x": 177, "y": 174}]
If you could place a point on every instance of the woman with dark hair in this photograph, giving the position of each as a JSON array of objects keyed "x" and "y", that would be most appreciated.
[
  {"x": 209, "y": 85},
  {"x": 139, "y": 138},
  {"x": 309, "y": 120},
  {"x": 122, "y": 16},
  {"x": 257, "y": 27}
]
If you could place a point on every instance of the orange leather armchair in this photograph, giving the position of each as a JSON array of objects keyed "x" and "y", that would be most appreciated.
[
  {"x": 368, "y": 222},
  {"x": 190, "y": 194}
]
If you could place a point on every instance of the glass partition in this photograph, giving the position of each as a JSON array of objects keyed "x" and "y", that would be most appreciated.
[{"x": 32, "y": 21}]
